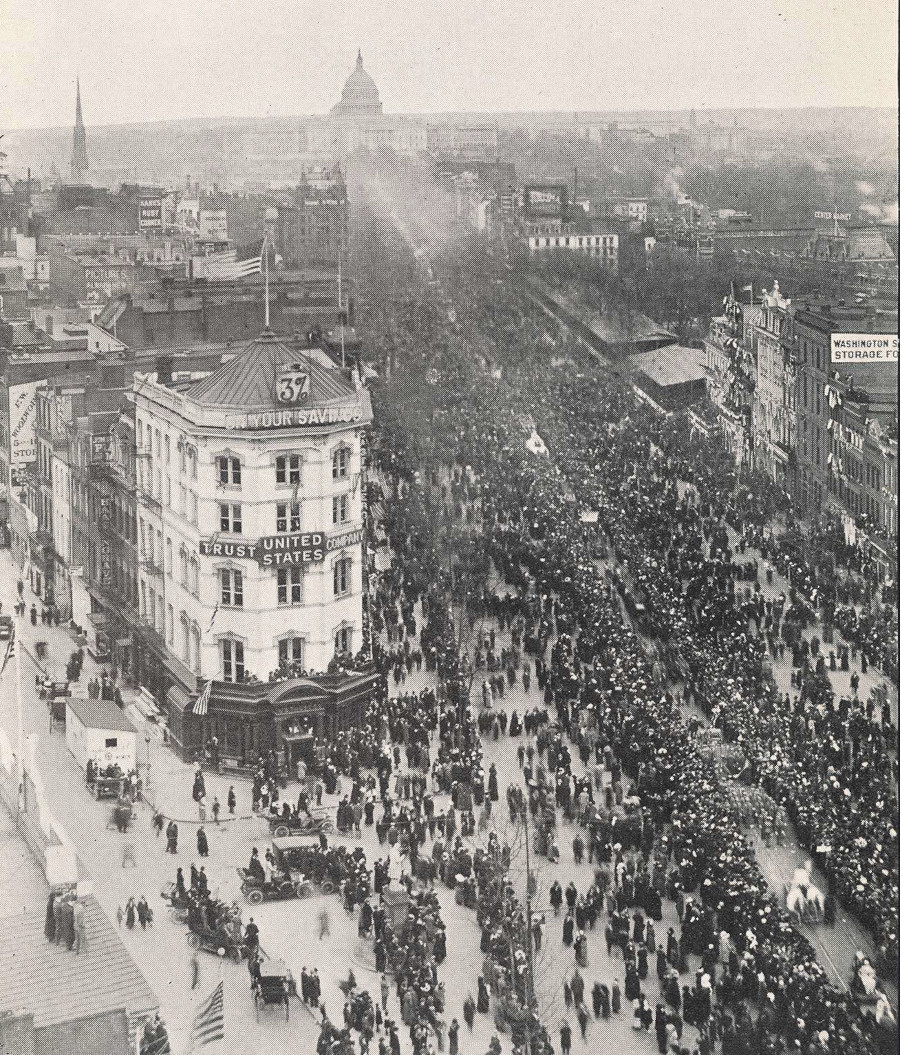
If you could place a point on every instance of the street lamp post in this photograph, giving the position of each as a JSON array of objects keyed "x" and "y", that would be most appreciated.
[{"x": 147, "y": 776}]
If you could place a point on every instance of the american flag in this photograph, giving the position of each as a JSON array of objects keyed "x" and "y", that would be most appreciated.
[
  {"x": 209, "y": 1022},
  {"x": 201, "y": 704},
  {"x": 225, "y": 267}
]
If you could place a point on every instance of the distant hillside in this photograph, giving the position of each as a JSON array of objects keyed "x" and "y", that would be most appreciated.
[{"x": 210, "y": 148}]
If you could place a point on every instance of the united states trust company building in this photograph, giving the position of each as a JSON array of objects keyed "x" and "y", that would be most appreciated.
[{"x": 251, "y": 488}]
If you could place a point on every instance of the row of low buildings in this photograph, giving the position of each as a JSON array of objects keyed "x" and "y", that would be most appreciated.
[
  {"x": 807, "y": 391},
  {"x": 197, "y": 513}
]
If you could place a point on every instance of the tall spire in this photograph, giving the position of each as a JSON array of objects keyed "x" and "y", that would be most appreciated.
[
  {"x": 359, "y": 58},
  {"x": 79, "y": 140}
]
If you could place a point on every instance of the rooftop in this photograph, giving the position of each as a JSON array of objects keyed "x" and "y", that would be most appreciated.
[
  {"x": 672, "y": 365},
  {"x": 248, "y": 381},
  {"x": 100, "y": 714},
  {"x": 56, "y": 985}
]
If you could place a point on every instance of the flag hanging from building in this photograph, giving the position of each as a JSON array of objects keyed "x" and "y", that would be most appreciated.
[
  {"x": 201, "y": 704},
  {"x": 209, "y": 1022},
  {"x": 225, "y": 267}
]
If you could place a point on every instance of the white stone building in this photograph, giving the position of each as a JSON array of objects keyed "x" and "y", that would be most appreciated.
[{"x": 251, "y": 491}]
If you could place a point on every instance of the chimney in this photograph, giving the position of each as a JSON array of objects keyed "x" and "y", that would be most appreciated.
[
  {"x": 164, "y": 369},
  {"x": 48, "y": 325}
]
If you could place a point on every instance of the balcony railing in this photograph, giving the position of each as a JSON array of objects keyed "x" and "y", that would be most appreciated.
[
  {"x": 149, "y": 563},
  {"x": 149, "y": 500}
]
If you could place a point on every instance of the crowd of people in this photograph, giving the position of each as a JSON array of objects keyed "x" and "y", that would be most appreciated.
[{"x": 674, "y": 522}]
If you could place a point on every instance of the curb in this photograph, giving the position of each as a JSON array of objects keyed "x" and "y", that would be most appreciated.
[{"x": 208, "y": 823}]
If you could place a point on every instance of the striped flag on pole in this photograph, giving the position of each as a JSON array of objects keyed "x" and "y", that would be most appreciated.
[
  {"x": 225, "y": 267},
  {"x": 209, "y": 1022},
  {"x": 201, "y": 704}
]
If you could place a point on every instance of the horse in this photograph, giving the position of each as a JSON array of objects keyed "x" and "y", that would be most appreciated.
[
  {"x": 808, "y": 904},
  {"x": 815, "y": 903},
  {"x": 795, "y": 902}
]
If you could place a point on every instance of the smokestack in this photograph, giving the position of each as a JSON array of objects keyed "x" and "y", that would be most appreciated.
[{"x": 164, "y": 369}]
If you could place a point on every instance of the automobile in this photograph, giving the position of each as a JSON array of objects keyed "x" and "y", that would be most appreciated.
[
  {"x": 304, "y": 860},
  {"x": 301, "y": 824},
  {"x": 7, "y": 628},
  {"x": 281, "y": 886},
  {"x": 273, "y": 985}
]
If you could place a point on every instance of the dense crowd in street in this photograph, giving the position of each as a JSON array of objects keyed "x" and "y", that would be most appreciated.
[{"x": 663, "y": 502}]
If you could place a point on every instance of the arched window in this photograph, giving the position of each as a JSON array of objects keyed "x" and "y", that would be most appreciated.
[
  {"x": 185, "y": 639},
  {"x": 195, "y": 648},
  {"x": 290, "y": 650},
  {"x": 343, "y": 639},
  {"x": 340, "y": 462},
  {"x": 342, "y": 576},
  {"x": 231, "y": 654}
]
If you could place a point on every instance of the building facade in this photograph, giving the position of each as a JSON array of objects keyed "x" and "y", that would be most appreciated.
[
  {"x": 604, "y": 247},
  {"x": 312, "y": 230},
  {"x": 250, "y": 490},
  {"x": 774, "y": 404},
  {"x": 731, "y": 375}
]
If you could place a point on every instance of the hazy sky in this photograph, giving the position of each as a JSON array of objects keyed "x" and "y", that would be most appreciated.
[{"x": 156, "y": 59}]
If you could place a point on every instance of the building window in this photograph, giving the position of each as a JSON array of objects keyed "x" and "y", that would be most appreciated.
[
  {"x": 195, "y": 576},
  {"x": 342, "y": 576},
  {"x": 287, "y": 516},
  {"x": 195, "y": 648},
  {"x": 170, "y": 625},
  {"x": 287, "y": 469},
  {"x": 340, "y": 509},
  {"x": 168, "y": 557},
  {"x": 229, "y": 470},
  {"x": 232, "y": 660},
  {"x": 290, "y": 586},
  {"x": 230, "y": 518},
  {"x": 343, "y": 640},
  {"x": 232, "y": 588},
  {"x": 340, "y": 464},
  {"x": 290, "y": 650}
]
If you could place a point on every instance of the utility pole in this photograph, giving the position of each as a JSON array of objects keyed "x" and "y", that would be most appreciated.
[{"x": 529, "y": 941}]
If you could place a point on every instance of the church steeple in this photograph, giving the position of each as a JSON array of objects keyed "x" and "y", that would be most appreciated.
[{"x": 79, "y": 140}]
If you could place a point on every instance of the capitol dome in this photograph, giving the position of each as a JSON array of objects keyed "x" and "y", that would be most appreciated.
[{"x": 360, "y": 95}]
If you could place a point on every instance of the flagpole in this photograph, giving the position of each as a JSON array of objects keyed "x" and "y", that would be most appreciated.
[{"x": 266, "y": 270}]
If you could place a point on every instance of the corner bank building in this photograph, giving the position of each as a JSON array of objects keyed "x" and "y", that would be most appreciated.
[{"x": 250, "y": 485}]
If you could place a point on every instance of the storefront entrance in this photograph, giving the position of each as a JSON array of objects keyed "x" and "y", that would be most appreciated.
[{"x": 299, "y": 749}]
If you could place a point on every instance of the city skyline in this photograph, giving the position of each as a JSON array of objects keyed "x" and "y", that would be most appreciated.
[{"x": 503, "y": 60}]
